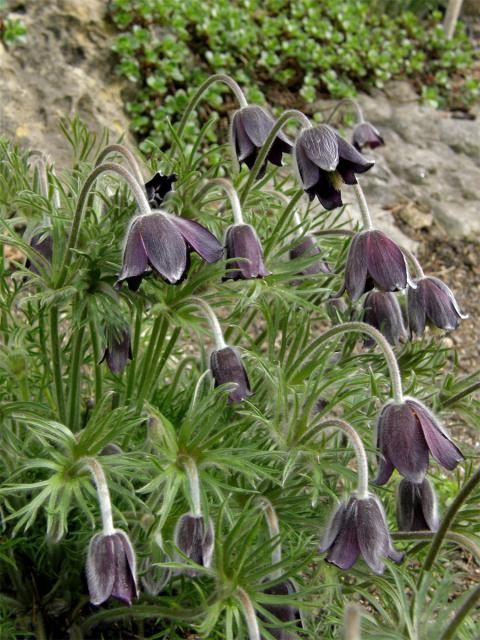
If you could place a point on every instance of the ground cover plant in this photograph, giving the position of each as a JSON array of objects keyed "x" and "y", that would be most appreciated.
[
  {"x": 211, "y": 384},
  {"x": 284, "y": 52}
]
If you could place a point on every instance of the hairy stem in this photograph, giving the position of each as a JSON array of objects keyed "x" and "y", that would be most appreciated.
[
  {"x": 451, "y": 17},
  {"x": 249, "y": 613},
  {"x": 274, "y": 532},
  {"x": 213, "y": 321},
  {"x": 124, "y": 151},
  {"x": 97, "y": 356},
  {"x": 159, "y": 331},
  {"x": 194, "y": 485},
  {"x": 417, "y": 267},
  {"x": 352, "y": 619},
  {"x": 232, "y": 196},
  {"x": 344, "y": 102},
  {"x": 103, "y": 493},
  {"x": 135, "y": 349},
  {"x": 363, "y": 206},
  {"x": 57, "y": 362},
  {"x": 73, "y": 414}
]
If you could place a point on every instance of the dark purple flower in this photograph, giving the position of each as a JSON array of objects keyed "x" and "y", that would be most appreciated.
[
  {"x": 43, "y": 243},
  {"x": 308, "y": 247},
  {"x": 161, "y": 242},
  {"x": 366, "y": 135},
  {"x": 416, "y": 506},
  {"x": 111, "y": 568},
  {"x": 374, "y": 260},
  {"x": 111, "y": 449},
  {"x": 243, "y": 248},
  {"x": 406, "y": 433},
  {"x": 382, "y": 310},
  {"x": 284, "y": 612},
  {"x": 158, "y": 187},
  {"x": 325, "y": 161},
  {"x": 194, "y": 540},
  {"x": 118, "y": 351},
  {"x": 250, "y": 128},
  {"x": 226, "y": 366},
  {"x": 359, "y": 528},
  {"x": 432, "y": 300}
]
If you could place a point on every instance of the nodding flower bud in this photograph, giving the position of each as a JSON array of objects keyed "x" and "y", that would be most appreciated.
[
  {"x": 158, "y": 187},
  {"x": 226, "y": 366},
  {"x": 118, "y": 351},
  {"x": 284, "y": 612},
  {"x": 366, "y": 135},
  {"x": 382, "y": 311},
  {"x": 325, "y": 161},
  {"x": 416, "y": 506},
  {"x": 162, "y": 242},
  {"x": 111, "y": 568},
  {"x": 306, "y": 248},
  {"x": 359, "y": 528},
  {"x": 42, "y": 242},
  {"x": 432, "y": 300},
  {"x": 407, "y": 433},
  {"x": 194, "y": 540},
  {"x": 243, "y": 249},
  {"x": 250, "y": 128}
]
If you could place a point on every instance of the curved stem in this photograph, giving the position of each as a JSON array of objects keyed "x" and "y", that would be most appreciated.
[
  {"x": 103, "y": 494},
  {"x": 290, "y": 114},
  {"x": 363, "y": 206},
  {"x": 274, "y": 532},
  {"x": 194, "y": 484},
  {"x": 249, "y": 613},
  {"x": 198, "y": 386},
  {"x": 417, "y": 267},
  {"x": 461, "y": 614},
  {"x": 232, "y": 196},
  {"x": 362, "y": 462},
  {"x": 40, "y": 158},
  {"x": 108, "y": 167},
  {"x": 218, "y": 77},
  {"x": 342, "y": 103},
  {"x": 129, "y": 157},
  {"x": 213, "y": 321}
]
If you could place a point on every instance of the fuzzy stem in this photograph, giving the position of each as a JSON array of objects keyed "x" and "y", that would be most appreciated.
[
  {"x": 274, "y": 532},
  {"x": 73, "y": 414},
  {"x": 218, "y": 77},
  {"x": 451, "y": 17},
  {"x": 298, "y": 223},
  {"x": 129, "y": 157},
  {"x": 352, "y": 620},
  {"x": 135, "y": 349},
  {"x": 194, "y": 484},
  {"x": 363, "y": 206},
  {"x": 40, "y": 159},
  {"x": 342, "y": 103},
  {"x": 155, "y": 344},
  {"x": 286, "y": 116},
  {"x": 452, "y": 536},
  {"x": 57, "y": 362},
  {"x": 417, "y": 267},
  {"x": 97, "y": 356},
  {"x": 461, "y": 614},
  {"x": 108, "y": 167},
  {"x": 213, "y": 321},
  {"x": 232, "y": 196},
  {"x": 461, "y": 394},
  {"x": 249, "y": 613},
  {"x": 198, "y": 386},
  {"x": 103, "y": 495}
]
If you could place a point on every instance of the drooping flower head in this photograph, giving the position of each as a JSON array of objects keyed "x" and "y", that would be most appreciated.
[
  {"x": 243, "y": 249},
  {"x": 249, "y": 131},
  {"x": 161, "y": 242},
  {"x": 432, "y": 301},
  {"x": 359, "y": 528},
  {"x": 416, "y": 506},
  {"x": 407, "y": 432},
  {"x": 111, "y": 568},
  {"x": 284, "y": 612},
  {"x": 325, "y": 161},
  {"x": 43, "y": 243},
  {"x": 374, "y": 260},
  {"x": 158, "y": 187},
  {"x": 382, "y": 311},
  {"x": 118, "y": 351},
  {"x": 226, "y": 366},
  {"x": 195, "y": 540},
  {"x": 306, "y": 248},
  {"x": 366, "y": 135}
]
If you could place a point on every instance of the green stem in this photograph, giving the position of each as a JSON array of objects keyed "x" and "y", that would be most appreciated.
[
  {"x": 73, "y": 415},
  {"x": 57, "y": 362},
  {"x": 127, "y": 154},
  {"x": 453, "y": 536},
  {"x": 249, "y": 613},
  {"x": 461, "y": 394},
  {"x": 159, "y": 331},
  {"x": 342, "y": 103},
  {"x": 162, "y": 360},
  {"x": 461, "y": 614},
  {"x": 135, "y": 350},
  {"x": 363, "y": 206},
  {"x": 290, "y": 114},
  {"x": 97, "y": 356}
]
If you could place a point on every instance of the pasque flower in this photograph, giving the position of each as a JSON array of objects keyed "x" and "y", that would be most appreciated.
[
  {"x": 432, "y": 301},
  {"x": 161, "y": 242},
  {"x": 382, "y": 310},
  {"x": 226, "y": 366},
  {"x": 325, "y": 161},
  {"x": 359, "y": 528},
  {"x": 374, "y": 260},
  {"x": 43, "y": 243},
  {"x": 306, "y": 248},
  {"x": 195, "y": 540},
  {"x": 366, "y": 135},
  {"x": 250, "y": 128},
  {"x": 118, "y": 351},
  {"x": 284, "y": 612},
  {"x": 243, "y": 249},
  {"x": 111, "y": 568},
  {"x": 416, "y": 506},
  {"x": 407, "y": 432},
  {"x": 158, "y": 187}
]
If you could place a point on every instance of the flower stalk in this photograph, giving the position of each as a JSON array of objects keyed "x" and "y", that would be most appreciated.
[
  {"x": 232, "y": 196},
  {"x": 124, "y": 151},
  {"x": 342, "y": 103},
  {"x": 363, "y": 206},
  {"x": 103, "y": 493},
  {"x": 274, "y": 533},
  {"x": 249, "y": 614},
  {"x": 191, "y": 471},
  {"x": 215, "y": 327}
]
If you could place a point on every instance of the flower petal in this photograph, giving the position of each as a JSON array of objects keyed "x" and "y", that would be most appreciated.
[
  {"x": 333, "y": 528},
  {"x": 372, "y": 534},
  {"x": 242, "y": 242},
  {"x": 308, "y": 171},
  {"x": 198, "y": 238},
  {"x": 164, "y": 245},
  {"x": 227, "y": 366},
  {"x": 439, "y": 443},
  {"x": 320, "y": 146},
  {"x": 124, "y": 586},
  {"x": 440, "y": 304},
  {"x": 356, "y": 267},
  {"x": 100, "y": 568},
  {"x": 135, "y": 261},
  {"x": 345, "y": 549},
  {"x": 241, "y": 142},
  {"x": 385, "y": 261},
  {"x": 416, "y": 309}
]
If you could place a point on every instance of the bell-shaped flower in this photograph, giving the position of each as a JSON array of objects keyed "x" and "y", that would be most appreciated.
[
  {"x": 249, "y": 131},
  {"x": 111, "y": 568},
  {"x": 226, "y": 366},
  {"x": 407, "y": 432},
  {"x": 325, "y": 161},
  {"x": 366, "y": 135},
  {"x": 432, "y": 301},
  {"x": 284, "y": 612},
  {"x": 243, "y": 249},
  {"x": 309, "y": 247},
  {"x": 359, "y": 528},
  {"x": 374, "y": 260},
  {"x": 382, "y": 310},
  {"x": 195, "y": 540},
  {"x": 158, "y": 187},
  {"x": 118, "y": 351},
  {"x": 161, "y": 242},
  {"x": 416, "y": 506}
]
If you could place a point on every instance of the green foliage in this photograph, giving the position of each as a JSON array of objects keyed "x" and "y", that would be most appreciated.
[
  {"x": 280, "y": 50},
  {"x": 12, "y": 30}
]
